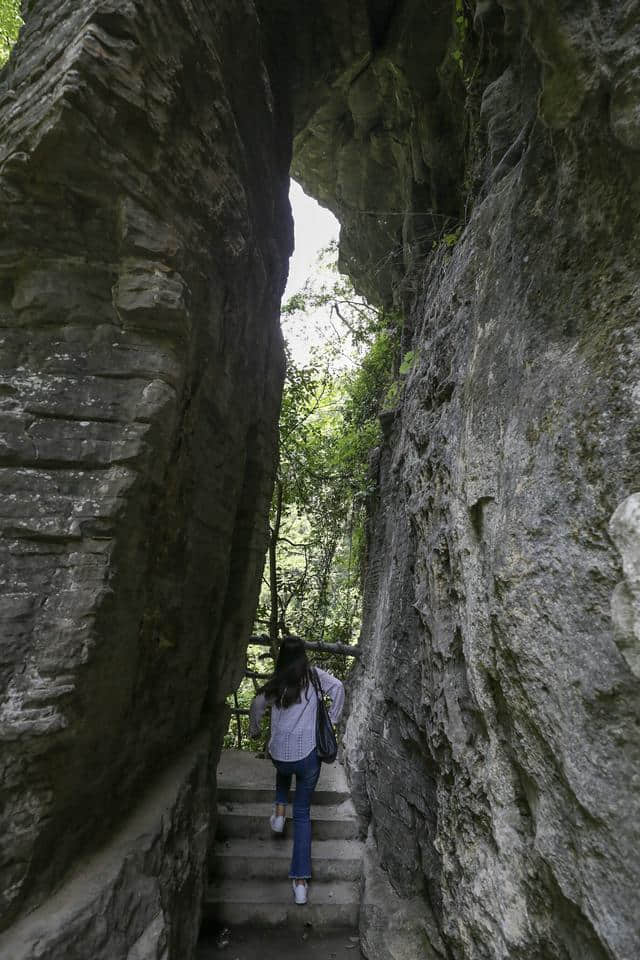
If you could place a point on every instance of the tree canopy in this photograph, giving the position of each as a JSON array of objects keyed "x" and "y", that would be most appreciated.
[{"x": 329, "y": 427}]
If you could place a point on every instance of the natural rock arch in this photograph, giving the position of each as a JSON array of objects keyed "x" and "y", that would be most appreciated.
[{"x": 144, "y": 168}]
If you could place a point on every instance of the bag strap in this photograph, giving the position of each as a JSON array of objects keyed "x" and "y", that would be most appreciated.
[{"x": 315, "y": 682}]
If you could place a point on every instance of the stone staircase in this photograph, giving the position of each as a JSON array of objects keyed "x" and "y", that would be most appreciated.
[{"x": 249, "y": 884}]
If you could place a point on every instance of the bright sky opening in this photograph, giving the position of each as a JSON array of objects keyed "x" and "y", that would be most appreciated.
[{"x": 315, "y": 228}]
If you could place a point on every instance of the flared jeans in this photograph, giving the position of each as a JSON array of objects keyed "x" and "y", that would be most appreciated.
[{"x": 307, "y": 772}]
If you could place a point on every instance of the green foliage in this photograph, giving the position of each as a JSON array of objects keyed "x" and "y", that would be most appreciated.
[
  {"x": 244, "y": 695},
  {"x": 407, "y": 362},
  {"x": 391, "y": 396},
  {"x": 460, "y": 38},
  {"x": 448, "y": 240},
  {"x": 10, "y": 23},
  {"x": 372, "y": 379},
  {"x": 320, "y": 473},
  {"x": 329, "y": 426}
]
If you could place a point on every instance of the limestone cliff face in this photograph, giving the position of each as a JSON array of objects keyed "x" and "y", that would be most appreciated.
[
  {"x": 383, "y": 143},
  {"x": 494, "y": 739},
  {"x": 145, "y": 234}
]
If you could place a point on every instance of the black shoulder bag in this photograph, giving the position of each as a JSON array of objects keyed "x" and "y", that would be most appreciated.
[{"x": 326, "y": 743}]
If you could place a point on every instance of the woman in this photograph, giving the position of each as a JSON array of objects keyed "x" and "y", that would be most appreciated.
[{"x": 294, "y": 703}]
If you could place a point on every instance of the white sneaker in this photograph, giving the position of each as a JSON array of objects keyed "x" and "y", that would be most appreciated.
[
  {"x": 277, "y": 823},
  {"x": 300, "y": 891}
]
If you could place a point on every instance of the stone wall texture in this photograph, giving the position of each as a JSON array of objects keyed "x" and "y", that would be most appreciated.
[
  {"x": 494, "y": 737},
  {"x": 144, "y": 238},
  {"x": 484, "y": 161},
  {"x": 137, "y": 896}
]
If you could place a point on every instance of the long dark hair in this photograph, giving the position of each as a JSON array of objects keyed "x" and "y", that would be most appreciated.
[{"x": 291, "y": 675}]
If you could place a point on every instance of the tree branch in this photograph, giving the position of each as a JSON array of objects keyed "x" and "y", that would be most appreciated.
[{"x": 344, "y": 649}]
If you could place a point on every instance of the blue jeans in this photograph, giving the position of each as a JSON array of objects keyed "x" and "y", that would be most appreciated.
[{"x": 307, "y": 772}]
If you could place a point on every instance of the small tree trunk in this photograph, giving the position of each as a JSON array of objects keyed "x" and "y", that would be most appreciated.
[
  {"x": 238, "y": 720},
  {"x": 273, "y": 570}
]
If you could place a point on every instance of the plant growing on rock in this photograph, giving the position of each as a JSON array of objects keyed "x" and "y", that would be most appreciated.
[{"x": 10, "y": 23}]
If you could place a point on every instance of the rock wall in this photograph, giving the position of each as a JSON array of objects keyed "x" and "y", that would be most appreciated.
[
  {"x": 137, "y": 896},
  {"x": 143, "y": 250},
  {"x": 494, "y": 737}
]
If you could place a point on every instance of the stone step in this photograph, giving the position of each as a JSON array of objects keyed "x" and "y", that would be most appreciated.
[
  {"x": 302, "y": 943},
  {"x": 266, "y": 794},
  {"x": 270, "y": 904},
  {"x": 248, "y": 777},
  {"x": 245, "y": 859},
  {"x": 251, "y": 820}
]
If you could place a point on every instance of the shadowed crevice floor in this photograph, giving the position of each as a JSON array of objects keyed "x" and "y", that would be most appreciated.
[{"x": 239, "y": 943}]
